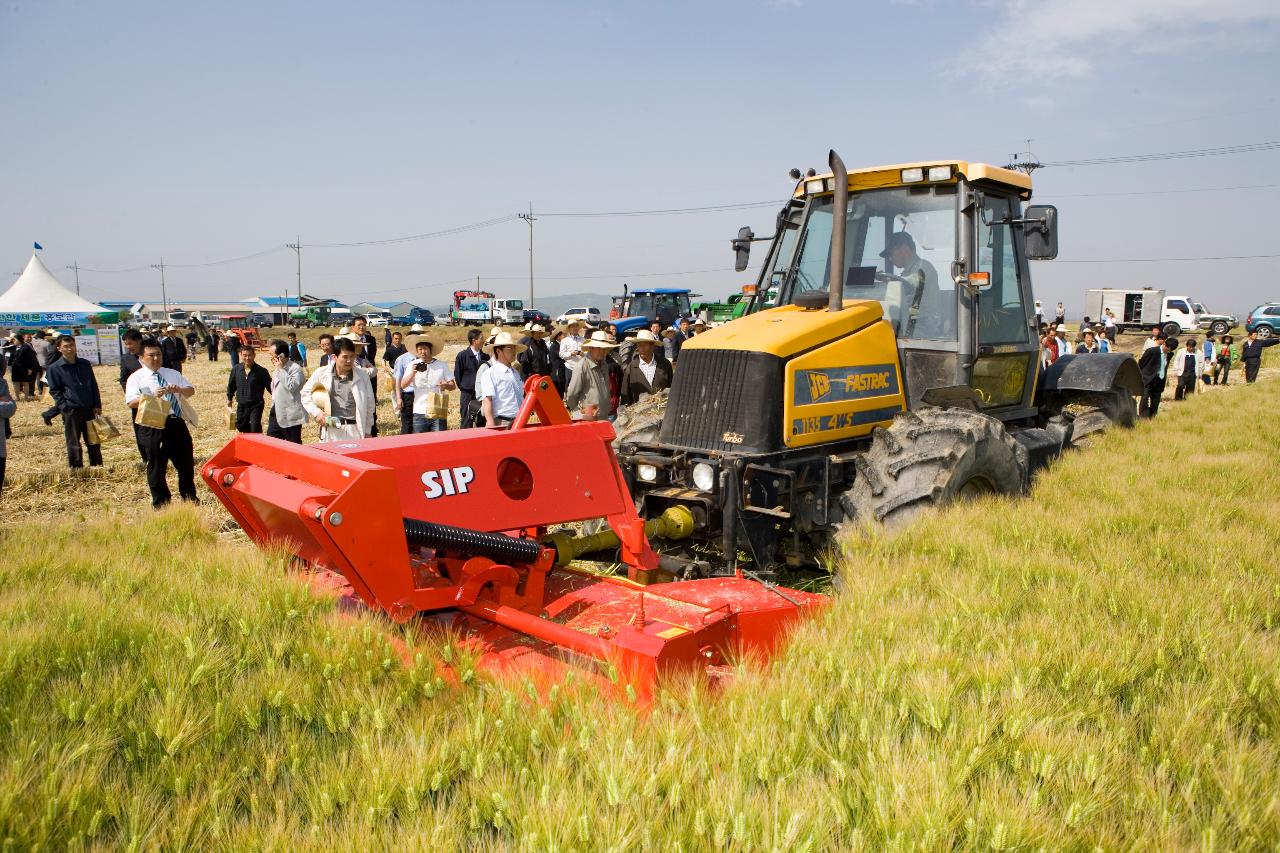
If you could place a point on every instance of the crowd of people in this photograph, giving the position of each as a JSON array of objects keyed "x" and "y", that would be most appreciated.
[
  {"x": 594, "y": 372},
  {"x": 340, "y": 396}
]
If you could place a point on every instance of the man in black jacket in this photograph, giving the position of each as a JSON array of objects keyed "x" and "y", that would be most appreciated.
[
  {"x": 1251, "y": 355},
  {"x": 535, "y": 360},
  {"x": 175, "y": 351},
  {"x": 465, "y": 366},
  {"x": 1154, "y": 366},
  {"x": 648, "y": 371},
  {"x": 75, "y": 391},
  {"x": 246, "y": 385}
]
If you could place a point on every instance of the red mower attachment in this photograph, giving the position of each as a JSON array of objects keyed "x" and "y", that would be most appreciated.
[{"x": 458, "y": 521}]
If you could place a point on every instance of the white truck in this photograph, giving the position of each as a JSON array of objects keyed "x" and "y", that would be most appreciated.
[
  {"x": 1140, "y": 310},
  {"x": 508, "y": 312},
  {"x": 473, "y": 311}
]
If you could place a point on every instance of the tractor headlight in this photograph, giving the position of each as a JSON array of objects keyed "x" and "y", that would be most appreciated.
[
  {"x": 647, "y": 473},
  {"x": 704, "y": 477}
]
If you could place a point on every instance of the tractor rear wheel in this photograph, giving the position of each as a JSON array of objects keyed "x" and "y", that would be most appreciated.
[
  {"x": 928, "y": 458},
  {"x": 1091, "y": 413}
]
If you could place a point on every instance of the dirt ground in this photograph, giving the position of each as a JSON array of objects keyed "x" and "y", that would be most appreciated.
[{"x": 38, "y": 477}]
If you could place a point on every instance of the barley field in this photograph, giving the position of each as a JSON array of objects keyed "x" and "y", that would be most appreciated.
[{"x": 1096, "y": 666}]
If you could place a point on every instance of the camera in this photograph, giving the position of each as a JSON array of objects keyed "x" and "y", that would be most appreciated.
[{"x": 420, "y": 366}]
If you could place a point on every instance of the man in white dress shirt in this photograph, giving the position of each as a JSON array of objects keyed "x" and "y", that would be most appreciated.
[{"x": 172, "y": 443}]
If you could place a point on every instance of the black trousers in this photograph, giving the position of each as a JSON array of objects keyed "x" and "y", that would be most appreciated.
[
  {"x": 464, "y": 400},
  {"x": 137, "y": 435},
  {"x": 213, "y": 352},
  {"x": 1151, "y": 399},
  {"x": 406, "y": 413},
  {"x": 1186, "y": 385},
  {"x": 1224, "y": 373},
  {"x": 1251, "y": 366},
  {"x": 274, "y": 430},
  {"x": 170, "y": 445},
  {"x": 249, "y": 417},
  {"x": 73, "y": 429},
  {"x": 373, "y": 382}
]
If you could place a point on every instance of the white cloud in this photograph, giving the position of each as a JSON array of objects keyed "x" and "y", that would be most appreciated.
[{"x": 1070, "y": 37}]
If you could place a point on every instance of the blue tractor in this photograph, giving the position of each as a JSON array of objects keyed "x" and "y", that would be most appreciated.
[{"x": 636, "y": 310}]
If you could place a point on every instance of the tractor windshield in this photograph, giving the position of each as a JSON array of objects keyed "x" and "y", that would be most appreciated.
[
  {"x": 898, "y": 250},
  {"x": 667, "y": 308}
]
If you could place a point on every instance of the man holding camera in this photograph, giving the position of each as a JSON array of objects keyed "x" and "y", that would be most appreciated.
[{"x": 430, "y": 380}]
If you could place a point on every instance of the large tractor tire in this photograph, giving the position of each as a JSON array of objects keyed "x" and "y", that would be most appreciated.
[
  {"x": 1093, "y": 412},
  {"x": 928, "y": 458},
  {"x": 640, "y": 421}
]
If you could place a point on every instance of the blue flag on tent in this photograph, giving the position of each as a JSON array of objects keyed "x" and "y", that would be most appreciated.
[{"x": 38, "y": 246}]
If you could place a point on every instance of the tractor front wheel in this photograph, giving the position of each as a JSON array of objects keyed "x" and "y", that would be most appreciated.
[{"x": 928, "y": 458}]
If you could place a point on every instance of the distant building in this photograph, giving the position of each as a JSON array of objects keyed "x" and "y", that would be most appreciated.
[{"x": 397, "y": 309}]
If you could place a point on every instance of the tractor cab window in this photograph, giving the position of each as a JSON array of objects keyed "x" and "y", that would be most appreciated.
[
  {"x": 779, "y": 262},
  {"x": 899, "y": 246},
  {"x": 1002, "y": 317}
]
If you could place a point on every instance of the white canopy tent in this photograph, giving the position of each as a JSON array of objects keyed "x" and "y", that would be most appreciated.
[
  {"x": 38, "y": 300},
  {"x": 37, "y": 293}
]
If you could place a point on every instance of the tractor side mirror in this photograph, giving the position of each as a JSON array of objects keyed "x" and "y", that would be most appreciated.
[
  {"x": 742, "y": 248},
  {"x": 1040, "y": 230}
]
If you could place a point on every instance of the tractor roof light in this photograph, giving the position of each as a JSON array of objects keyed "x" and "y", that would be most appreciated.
[
  {"x": 912, "y": 176},
  {"x": 939, "y": 173},
  {"x": 816, "y": 185}
]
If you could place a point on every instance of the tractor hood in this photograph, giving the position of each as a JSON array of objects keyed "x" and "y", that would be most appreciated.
[{"x": 788, "y": 330}]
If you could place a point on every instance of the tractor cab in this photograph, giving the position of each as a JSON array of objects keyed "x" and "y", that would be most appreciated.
[
  {"x": 639, "y": 308},
  {"x": 942, "y": 248}
]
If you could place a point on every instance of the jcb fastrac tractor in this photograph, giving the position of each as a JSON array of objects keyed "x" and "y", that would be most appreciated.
[{"x": 891, "y": 364}]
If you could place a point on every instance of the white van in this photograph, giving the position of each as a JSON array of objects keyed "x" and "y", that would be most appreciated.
[
  {"x": 378, "y": 318},
  {"x": 591, "y": 316}
]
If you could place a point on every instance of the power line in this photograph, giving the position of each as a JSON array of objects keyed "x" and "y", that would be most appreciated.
[
  {"x": 1160, "y": 260},
  {"x": 1163, "y": 192},
  {"x": 263, "y": 253},
  {"x": 671, "y": 211},
  {"x": 1169, "y": 155},
  {"x": 609, "y": 275},
  {"x": 475, "y": 226}
]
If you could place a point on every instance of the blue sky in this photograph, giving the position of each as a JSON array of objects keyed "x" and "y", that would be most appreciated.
[{"x": 213, "y": 131}]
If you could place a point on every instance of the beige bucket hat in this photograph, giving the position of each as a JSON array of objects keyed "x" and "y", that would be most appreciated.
[
  {"x": 644, "y": 335},
  {"x": 504, "y": 339},
  {"x": 599, "y": 340},
  {"x": 424, "y": 339}
]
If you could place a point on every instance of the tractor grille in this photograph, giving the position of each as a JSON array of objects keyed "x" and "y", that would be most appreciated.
[{"x": 725, "y": 400}]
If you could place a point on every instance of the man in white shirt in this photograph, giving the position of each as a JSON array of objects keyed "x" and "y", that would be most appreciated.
[
  {"x": 927, "y": 319},
  {"x": 428, "y": 377},
  {"x": 343, "y": 388},
  {"x": 571, "y": 346},
  {"x": 500, "y": 387},
  {"x": 172, "y": 443}
]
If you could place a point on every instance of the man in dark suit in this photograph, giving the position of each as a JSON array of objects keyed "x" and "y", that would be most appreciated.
[
  {"x": 465, "y": 366},
  {"x": 1154, "y": 366}
]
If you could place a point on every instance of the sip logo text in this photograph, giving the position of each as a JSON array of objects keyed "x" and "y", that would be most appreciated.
[{"x": 447, "y": 481}]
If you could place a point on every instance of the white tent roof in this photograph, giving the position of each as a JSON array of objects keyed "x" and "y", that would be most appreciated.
[{"x": 36, "y": 290}]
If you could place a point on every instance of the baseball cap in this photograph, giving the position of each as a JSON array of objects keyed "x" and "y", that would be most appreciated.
[{"x": 896, "y": 239}]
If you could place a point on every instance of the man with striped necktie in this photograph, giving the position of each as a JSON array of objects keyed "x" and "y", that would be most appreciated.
[{"x": 172, "y": 444}]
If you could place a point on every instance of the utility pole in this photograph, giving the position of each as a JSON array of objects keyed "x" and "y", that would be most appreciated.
[
  {"x": 76, "y": 266},
  {"x": 164, "y": 295},
  {"x": 297, "y": 247},
  {"x": 528, "y": 217},
  {"x": 1027, "y": 164}
]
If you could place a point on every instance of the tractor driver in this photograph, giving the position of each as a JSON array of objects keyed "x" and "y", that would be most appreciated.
[{"x": 924, "y": 313}]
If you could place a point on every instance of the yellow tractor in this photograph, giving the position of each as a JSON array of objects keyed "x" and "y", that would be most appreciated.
[{"x": 891, "y": 363}]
